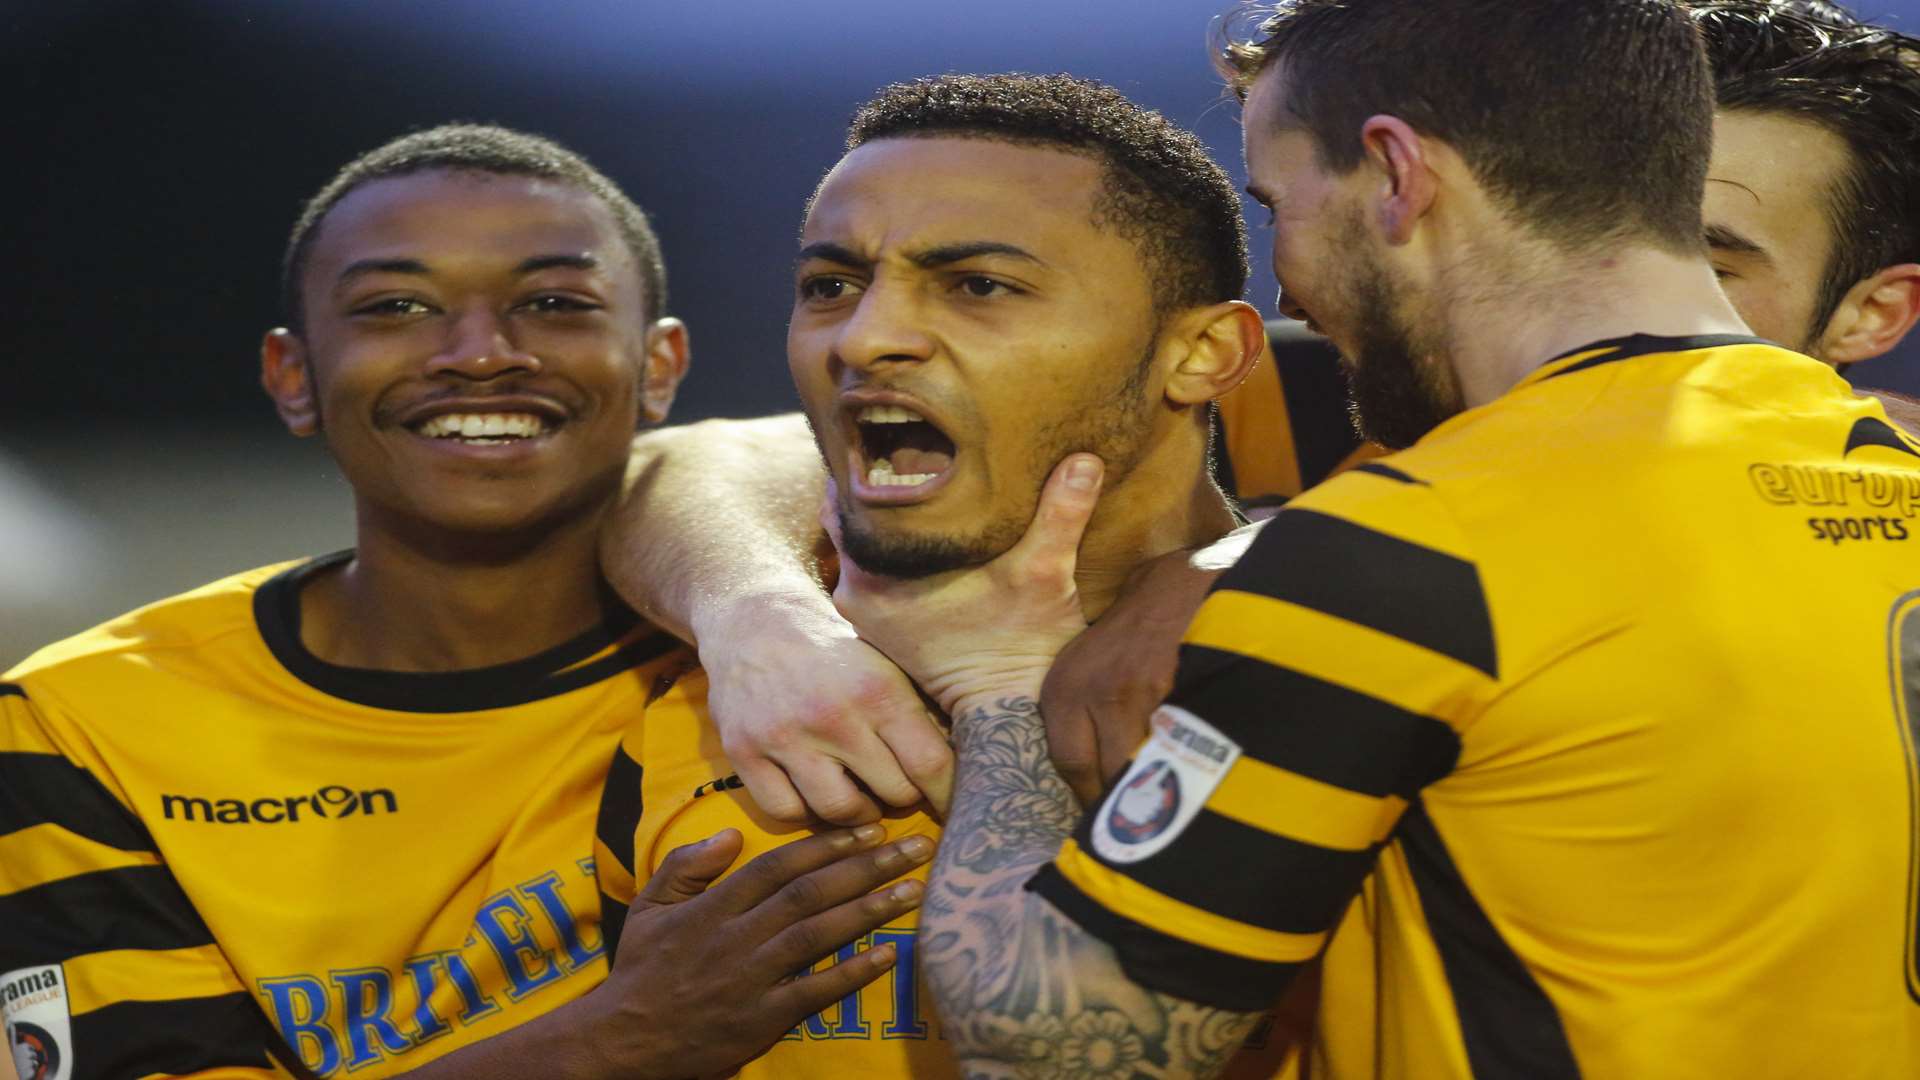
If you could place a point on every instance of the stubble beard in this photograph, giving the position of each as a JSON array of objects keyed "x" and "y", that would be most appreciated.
[{"x": 1398, "y": 387}]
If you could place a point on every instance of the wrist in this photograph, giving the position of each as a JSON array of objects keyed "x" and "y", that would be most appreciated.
[
  {"x": 607, "y": 1043},
  {"x": 1012, "y": 692},
  {"x": 799, "y": 608}
]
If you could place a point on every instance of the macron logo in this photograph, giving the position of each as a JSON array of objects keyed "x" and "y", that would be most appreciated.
[{"x": 331, "y": 802}]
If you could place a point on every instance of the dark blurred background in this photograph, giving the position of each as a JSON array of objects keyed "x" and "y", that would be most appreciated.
[{"x": 161, "y": 150}]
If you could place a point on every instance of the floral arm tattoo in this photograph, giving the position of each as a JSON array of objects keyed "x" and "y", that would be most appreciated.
[{"x": 1023, "y": 990}]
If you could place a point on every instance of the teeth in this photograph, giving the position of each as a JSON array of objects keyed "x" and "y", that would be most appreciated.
[
  {"x": 488, "y": 426},
  {"x": 882, "y": 475},
  {"x": 889, "y": 414}
]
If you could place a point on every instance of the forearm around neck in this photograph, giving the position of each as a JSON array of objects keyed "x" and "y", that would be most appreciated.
[{"x": 713, "y": 512}]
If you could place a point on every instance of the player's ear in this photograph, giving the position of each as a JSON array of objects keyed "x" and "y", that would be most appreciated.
[
  {"x": 1221, "y": 342},
  {"x": 289, "y": 381},
  {"x": 1407, "y": 185},
  {"x": 667, "y": 358},
  {"x": 1874, "y": 315}
]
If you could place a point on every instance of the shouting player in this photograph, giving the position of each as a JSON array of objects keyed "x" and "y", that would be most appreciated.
[
  {"x": 1001, "y": 270},
  {"x": 337, "y": 816},
  {"x": 1606, "y": 686}
]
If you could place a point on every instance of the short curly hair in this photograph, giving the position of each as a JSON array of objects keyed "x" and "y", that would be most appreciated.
[
  {"x": 1162, "y": 191},
  {"x": 1817, "y": 62},
  {"x": 474, "y": 148}
]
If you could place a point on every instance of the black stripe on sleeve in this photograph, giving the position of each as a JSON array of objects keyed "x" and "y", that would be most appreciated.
[
  {"x": 620, "y": 808},
  {"x": 37, "y": 789},
  {"x": 1167, "y": 964},
  {"x": 8, "y": 689},
  {"x": 175, "y": 1037},
  {"x": 1868, "y": 431},
  {"x": 1414, "y": 593},
  {"x": 1511, "y": 1028},
  {"x": 1320, "y": 730},
  {"x": 135, "y": 907},
  {"x": 1248, "y": 875}
]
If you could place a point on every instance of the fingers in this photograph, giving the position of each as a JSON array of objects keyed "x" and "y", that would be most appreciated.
[
  {"x": 1072, "y": 742},
  {"x": 1052, "y": 542},
  {"x": 688, "y": 869},
  {"x": 873, "y": 764},
  {"x": 824, "y": 910},
  {"x": 918, "y": 743},
  {"x": 1121, "y": 731},
  {"x": 809, "y": 994},
  {"x": 767, "y": 874},
  {"x": 829, "y": 791},
  {"x": 771, "y": 790}
]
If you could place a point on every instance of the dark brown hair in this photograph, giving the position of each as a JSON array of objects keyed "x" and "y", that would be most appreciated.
[
  {"x": 1816, "y": 62},
  {"x": 1591, "y": 119}
]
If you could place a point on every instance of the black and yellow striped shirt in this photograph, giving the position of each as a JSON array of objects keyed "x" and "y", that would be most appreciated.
[
  {"x": 222, "y": 855},
  {"x": 1604, "y": 693}
]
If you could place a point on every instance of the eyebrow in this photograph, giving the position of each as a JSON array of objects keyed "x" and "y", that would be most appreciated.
[
  {"x": 928, "y": 259},
  {"x": 1724, "y": 239},
  {"x": 583, "y": 261},
  {"x": 531, "y": 265},
  {"x": 378, "y": 266}
]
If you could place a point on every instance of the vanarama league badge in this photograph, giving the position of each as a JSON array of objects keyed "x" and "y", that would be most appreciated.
[
  {"x": 1145, "y": 805},
  {"x": 1183, "y": 761},
  {"x": 39, "y": 1027}
]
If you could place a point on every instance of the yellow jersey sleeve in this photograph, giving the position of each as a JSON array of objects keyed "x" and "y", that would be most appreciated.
[
  {"x": 1271, "y": 779},
  {"x": 106, "y": 968}
]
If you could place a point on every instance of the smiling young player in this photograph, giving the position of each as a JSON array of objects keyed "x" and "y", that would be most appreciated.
[{"x": 337, "y": 816}]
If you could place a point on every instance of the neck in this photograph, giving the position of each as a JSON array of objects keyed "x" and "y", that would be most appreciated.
[
  {"x": 1166, "y": 503},
  {"x": 1498, "y": 334},
  {"x": 425, "y": 600}
]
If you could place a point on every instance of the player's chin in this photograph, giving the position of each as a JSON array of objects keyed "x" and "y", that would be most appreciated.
[{"x": 907, "y": 542}]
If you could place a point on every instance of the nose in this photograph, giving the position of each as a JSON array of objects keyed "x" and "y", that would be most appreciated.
[
  {"x": 479, "y": 345},
  {"x": 886, "y": 326},
  {"x": 1287, "y": 306}
]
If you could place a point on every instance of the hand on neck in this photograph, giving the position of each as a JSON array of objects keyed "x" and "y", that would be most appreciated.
[{"x": 1157, "y": 508}]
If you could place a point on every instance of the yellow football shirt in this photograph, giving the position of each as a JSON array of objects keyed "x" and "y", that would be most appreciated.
[
  {"x": 217, "y": 850},
  {"x": 672, "y": 785},
  {"x": 1606, "y": 691}
]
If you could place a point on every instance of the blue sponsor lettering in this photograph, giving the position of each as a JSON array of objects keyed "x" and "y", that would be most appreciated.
[
  {"x": 503, "y": 923},
  {"x": 359, "y": 1020},
  {"x": 367, "y": 997},
  {"x": 298, "y": 1005},
  {"x": 545, "y": 891}
]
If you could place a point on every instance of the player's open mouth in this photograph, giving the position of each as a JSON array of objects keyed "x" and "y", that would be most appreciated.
[
  {"x": 899, "y": 455},
  {"x": 483, "y": 429}
]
